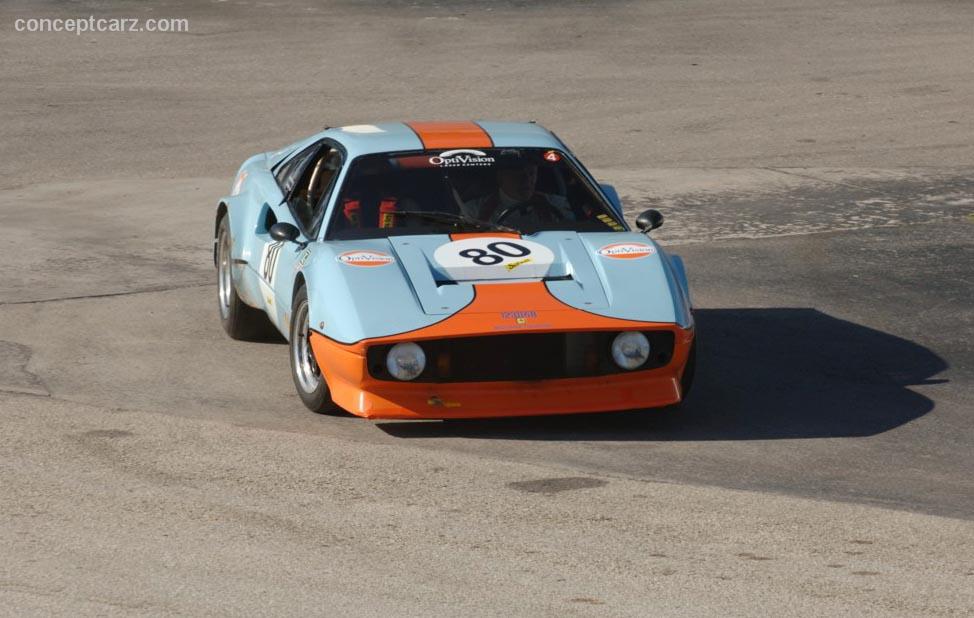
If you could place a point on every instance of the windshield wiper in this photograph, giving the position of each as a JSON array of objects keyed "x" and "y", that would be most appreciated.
[{"x": 453, "y": 218}]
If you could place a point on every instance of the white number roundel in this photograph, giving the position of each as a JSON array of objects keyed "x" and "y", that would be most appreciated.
[{"x": 494, "y": 257}]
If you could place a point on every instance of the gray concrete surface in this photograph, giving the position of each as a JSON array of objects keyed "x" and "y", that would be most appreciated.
[{"x": 814, "y": 165}]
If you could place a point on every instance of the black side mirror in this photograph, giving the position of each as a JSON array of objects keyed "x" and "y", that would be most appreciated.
[
  {"x": 284, "y": 231},
  {"x": 649, "y": 220}
]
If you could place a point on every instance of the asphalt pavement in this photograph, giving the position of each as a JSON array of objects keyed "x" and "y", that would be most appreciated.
[{"x": 813, "y": 162}]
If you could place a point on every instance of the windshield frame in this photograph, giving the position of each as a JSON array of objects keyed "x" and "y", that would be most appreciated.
[{"x": 326, "y": 225}]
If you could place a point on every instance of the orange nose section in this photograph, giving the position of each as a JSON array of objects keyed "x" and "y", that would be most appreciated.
[{"x": 498, "y": 308}]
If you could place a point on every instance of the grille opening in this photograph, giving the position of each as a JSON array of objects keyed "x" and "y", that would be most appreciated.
[{"x": 522, "y": 357}]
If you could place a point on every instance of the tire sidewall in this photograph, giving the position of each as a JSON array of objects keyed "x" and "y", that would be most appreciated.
[
  {"x": 242, "y": 321},
  {"x": 229, "y": 321},
  {"x": 318, "y": 400}
]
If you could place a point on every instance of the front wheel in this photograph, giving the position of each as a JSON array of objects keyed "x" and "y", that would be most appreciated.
[{"x": 308, "y": 380}]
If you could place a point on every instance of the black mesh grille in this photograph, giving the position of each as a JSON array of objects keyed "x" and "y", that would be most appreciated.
[{"x": 530, "y": 356}]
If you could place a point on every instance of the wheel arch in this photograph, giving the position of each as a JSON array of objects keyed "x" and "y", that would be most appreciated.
[
  {"x": 680, "y": 270},
  {"x": 299, "y": 282}
]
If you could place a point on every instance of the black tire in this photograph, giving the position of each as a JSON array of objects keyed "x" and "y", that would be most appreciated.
[
  {"x": 308, "y": 381},
  {"x": 240, "y": 320}
]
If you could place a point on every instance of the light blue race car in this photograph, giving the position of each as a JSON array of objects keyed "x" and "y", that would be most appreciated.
[{"x": 451, "y": 270}]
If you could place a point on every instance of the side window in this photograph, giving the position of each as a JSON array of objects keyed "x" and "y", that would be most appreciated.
[
  {"x": 288, "y": 173},
  {"x": 313, "y": 185}
]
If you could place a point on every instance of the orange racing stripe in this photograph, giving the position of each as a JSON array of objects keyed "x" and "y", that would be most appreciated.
[{"x": 436, "y": 135}]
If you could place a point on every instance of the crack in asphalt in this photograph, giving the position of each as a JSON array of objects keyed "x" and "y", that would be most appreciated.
[
  {"x": 106, "y": 294},
  {"x": 25, "y": 392}
]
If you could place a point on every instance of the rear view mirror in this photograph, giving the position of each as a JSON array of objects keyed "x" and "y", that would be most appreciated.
[
  {"x": 649, "y": 220},
  {"x": 284, "y": 231}
]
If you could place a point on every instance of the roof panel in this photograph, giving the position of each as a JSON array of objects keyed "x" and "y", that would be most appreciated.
[
  {"x": 518, "y": 134},
  {"x": 364, "y": 139}
]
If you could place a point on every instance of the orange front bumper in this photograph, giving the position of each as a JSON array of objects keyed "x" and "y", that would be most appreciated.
[{"x": 355, "y": 390}]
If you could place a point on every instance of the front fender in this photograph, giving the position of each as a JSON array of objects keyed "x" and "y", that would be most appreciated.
[
  {"x": 350, "y": 303},
  {"x": 680, "y": 272}
]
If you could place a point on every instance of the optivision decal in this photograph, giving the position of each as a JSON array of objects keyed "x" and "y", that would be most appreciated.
[
  {"x": 626, "y": 250},
  {"x": 365, "y": 258},
  {"x": 461, "y": 158}
]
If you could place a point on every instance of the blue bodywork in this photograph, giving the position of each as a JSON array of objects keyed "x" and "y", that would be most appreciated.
[{"x": 349, "y": 304}]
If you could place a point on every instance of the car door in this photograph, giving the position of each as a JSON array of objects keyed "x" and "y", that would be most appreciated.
[
  {"x": 306, "y": 187},
  {"x": 265, "y": 250}
]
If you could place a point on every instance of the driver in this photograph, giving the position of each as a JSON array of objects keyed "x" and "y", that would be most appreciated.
[{"x": 516, "y": 195}]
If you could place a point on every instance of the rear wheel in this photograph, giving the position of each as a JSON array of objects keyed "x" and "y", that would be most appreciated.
[
  {"x": 308, "y": 380},
  {"x": 240, "y": 320}
]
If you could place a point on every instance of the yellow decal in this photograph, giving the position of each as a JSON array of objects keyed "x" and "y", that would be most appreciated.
[
  {"x": 606, "y": 219},
  {"x": 514, "y": 265},
  {"x": 439, "y": 403}
]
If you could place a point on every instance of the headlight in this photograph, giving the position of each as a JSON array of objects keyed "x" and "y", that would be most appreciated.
[
  {"x": 630, "y": 350},
  {"x": 405, "y": 361}
]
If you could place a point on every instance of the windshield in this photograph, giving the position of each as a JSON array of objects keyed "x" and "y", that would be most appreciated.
[{"x": 523, "y": 190}]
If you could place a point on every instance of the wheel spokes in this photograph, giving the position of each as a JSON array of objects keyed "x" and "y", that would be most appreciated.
[{"x": 305, "y": 366}]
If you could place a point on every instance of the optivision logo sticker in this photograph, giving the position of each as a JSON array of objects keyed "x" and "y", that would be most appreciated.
[
  {"x": 627, "y": 251},
  {"x": 461, "y": 158},
  {"x": 365, "y": 258}
]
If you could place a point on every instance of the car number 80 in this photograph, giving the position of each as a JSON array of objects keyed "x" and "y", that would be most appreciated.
[
  {"x": 495, "y": 253},
  {"x": 493, "y": 258}
]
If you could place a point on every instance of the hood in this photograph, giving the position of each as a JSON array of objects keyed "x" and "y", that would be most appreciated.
[
  {"x": 392, "y": 285},
  {"x": 436, "y": 262}
]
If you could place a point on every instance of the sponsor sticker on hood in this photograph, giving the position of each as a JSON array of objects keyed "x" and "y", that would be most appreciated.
[
  {"x": 365, "y": 258},
  {"x": 484, "y": 258},
  {"x": 626, "y": 250}
]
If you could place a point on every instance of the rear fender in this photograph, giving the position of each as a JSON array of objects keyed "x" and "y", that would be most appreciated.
[{"x": 246, "y": 209}]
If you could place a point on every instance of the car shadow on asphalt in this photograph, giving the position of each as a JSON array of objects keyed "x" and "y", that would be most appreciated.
[{"x": 762, "y": 374}]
